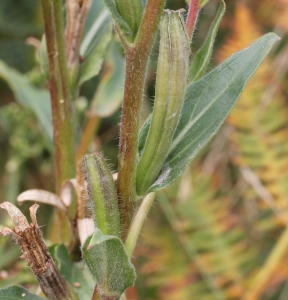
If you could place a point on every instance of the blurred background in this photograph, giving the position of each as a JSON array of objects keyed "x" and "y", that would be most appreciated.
[{"x": 220, "y": 232}]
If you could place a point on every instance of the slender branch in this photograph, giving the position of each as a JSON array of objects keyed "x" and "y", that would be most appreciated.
[
  {"x": 137, "y": 223},
  {"x": 137, "y": 56},
  {"x": 194, "y": 8},
  {"x": 61, "y": 101}
]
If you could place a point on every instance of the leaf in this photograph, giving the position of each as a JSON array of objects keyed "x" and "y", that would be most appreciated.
[
  {"x": 27, "y": 95},
  {"x": 109, "y": 94},
  {"x": 107, "y": 259},
  {"x": 77, "y": 274},
  {"x": 117, "y": 17},
  {"x": 208, "y": 102},
  {"x": 202, "y": 57},
  {"x": 17, "y": 292},
  {"x": 97, "y": 34}
]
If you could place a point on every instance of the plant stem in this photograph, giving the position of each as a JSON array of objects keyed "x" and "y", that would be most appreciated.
[
  {"x": 137, "y": 56},
  {"x": 61, "y": 101},
  {"x": 194, "y": 8},
  {"x": 137, "y": 223}
]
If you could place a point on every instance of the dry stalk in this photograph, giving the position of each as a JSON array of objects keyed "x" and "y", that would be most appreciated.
[{"x": 34, "y": 251}]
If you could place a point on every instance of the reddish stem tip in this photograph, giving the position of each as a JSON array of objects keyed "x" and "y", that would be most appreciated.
[{"x": 194, "y": 8}]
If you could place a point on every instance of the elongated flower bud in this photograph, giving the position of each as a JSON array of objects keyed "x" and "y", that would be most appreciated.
[
  {"x": 102, "y": 193},
  {"x": 171, "y": 81}
]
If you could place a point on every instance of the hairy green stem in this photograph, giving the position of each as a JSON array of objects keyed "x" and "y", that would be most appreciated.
[
  {"x": 60, "y": 93},
  {"x": 137, "y": 56}
]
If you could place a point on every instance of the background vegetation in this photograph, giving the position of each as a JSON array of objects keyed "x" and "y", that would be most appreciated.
[{"x": 220, "y": 231}]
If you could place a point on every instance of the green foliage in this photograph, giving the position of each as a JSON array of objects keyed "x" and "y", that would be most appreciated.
[
  {"x": 27, "y": 95},
  {"x": 214, "y": 95},
  {"x": 17, "y": 293},
  {"x": 206, "y": 249},
  {"x": 107, "y": 259}
]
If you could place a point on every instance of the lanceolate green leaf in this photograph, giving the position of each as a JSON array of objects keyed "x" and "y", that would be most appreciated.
[
  {"x": 108, "y": 261},
  {"x": 17, "y": 293},
  {"x": 26, "y": 94},
  {"x": 208, "y": 101},
  {"x": 202, "y": 57}
]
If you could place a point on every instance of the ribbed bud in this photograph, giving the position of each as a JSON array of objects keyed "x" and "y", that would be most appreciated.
[
  {"x": 102, "y": 193},
  {"x": 171, "y": 82}
]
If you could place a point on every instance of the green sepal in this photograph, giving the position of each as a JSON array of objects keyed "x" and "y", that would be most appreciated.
[
  {"x": 102, "y": 193},
  {"x": 108, "y": 261}
]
